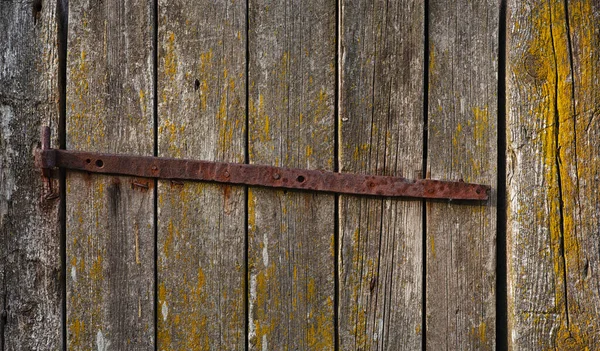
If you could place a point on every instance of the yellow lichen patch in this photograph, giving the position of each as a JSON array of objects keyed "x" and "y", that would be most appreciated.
[
  {"x": 355, "y": 154},
  {"x": 360, "y": 327},
  {"x": 251, "y": 211},
  {"x": 81, "y": 264},
  {"x": 143, "y": 103},
  {"x": 164, "y": 322},
  {"x": 96, "y": 272},
  {"x": 432, "y": 69},
  {"x": 200, "y": 280},
  {"x": 482, "y": 333},
  {"x": 204, "y": 90},
  {"x": 206, "y": 61},
  {"x": 265, "y": 117},
  {"x": 457, "y": 136},
  {"x": 571, "y": 338},
  {"x": 169, "y": 239},
  {"x": 76, "y": 330},
  {"x": 309, "y": 151},
  {"x": 252, "y": 117},
  {"x": 80, "y": 128},
  {"x": 226, "y": 127},
  {"x": 323, "y": 108},
  {"x": 267, "y": 300},
  {"x": 311, "y": 291},
  {"x": 320, "y": 332},
  {"x": 170, "y": 56},
  {"x": 82, "y": 63},
  {"x": 481, "y": 119},
  {"x": 431, "y": 58},
  {"x": 172, "y": 137}
]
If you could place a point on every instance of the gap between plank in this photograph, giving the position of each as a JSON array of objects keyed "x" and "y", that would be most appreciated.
[
  {"x": 155, "y": 153},
  {"x": 424, "y": 174},
  {"x": 336, "y": 165},
  {"x": 62, "y": 19},
  {"x": 501, "y": 260}
]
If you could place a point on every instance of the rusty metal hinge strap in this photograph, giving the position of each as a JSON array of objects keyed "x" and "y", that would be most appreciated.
[{"x": 257, "y": 175}]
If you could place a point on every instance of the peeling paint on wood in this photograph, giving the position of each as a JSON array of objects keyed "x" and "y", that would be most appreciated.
[
  {"x": 110, "y": 233},
  {"x": 552, "y": 161},
  {"x": 201, "y": 114},
  {"x": 381, "y": 132},
  {"x": 462, "y": 144}
]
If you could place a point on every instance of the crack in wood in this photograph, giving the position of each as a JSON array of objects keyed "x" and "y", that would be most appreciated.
[{"x": 558, "y": 165}]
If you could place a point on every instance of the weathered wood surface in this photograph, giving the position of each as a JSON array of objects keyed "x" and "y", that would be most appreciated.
[
  {"x": 30, "y": 290},
  {"x": 381, "y": 116},
  {"x": 462, "y": 144},
  {"x": 201, "y": 234},
  {"x": 553, "y": 74},
  {"x": 291, "y": 78},
  {"x": 110, "y": 230}
]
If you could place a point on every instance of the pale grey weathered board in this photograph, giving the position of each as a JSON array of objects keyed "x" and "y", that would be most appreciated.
[
  {"x": 381, "y": 116},
  {"x": 110, "y": 233},
  {"x": 30, "y": 292},
  {"x": 291, "y": 78},
  {"x": 202, "y": 115},
  {"x": 462, "y": 144},
  {"x": 553, "y": 75}
]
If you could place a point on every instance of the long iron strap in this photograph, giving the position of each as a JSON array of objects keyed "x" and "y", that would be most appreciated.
[{"x": 255, "y": 175}]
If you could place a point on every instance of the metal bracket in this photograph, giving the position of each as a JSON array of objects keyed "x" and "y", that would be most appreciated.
[{"x": 254, "y": 175}]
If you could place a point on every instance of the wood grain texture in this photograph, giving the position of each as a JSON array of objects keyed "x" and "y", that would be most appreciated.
[
  {"x": 201, "y": 234},
  {"x": 462, "y": 144},
  {"x": 553, "y": 71},
  {"x": 292, "y": 48},
  {"x": 381, "y": 116},
  {"x": 110, "y": 224},
  {"x": 30, "y": 291}
]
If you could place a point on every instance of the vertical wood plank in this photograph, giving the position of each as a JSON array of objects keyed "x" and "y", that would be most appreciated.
[
  {"x": 110, "y": 240},
  {"x": 201, "y": 234},
  {"x": 553, "y": 71},
  {"x": 381, "y": 105},
  {"x": 291, "y": 76},
  {"x": 462, "y": 143},
  {"x": 30, "y": 291}
]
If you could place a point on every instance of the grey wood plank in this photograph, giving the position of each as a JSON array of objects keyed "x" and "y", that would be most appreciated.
[
  {"x": 462, "y": 144},
  {"x": 291, "y": 78},
  {"x": 201, "y": 234},
  {"x": 110, "y": 224},
  {"x": 30, "y": 291},
  {"x": 381, "y": 117},
  {"x": 553, "y": 219}
]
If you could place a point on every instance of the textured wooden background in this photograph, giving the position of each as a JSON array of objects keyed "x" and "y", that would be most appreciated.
[{"x": 443, "y": 89}]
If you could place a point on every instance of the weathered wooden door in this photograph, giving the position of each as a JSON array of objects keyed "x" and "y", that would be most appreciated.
[
  {"x": 295, "y": 84},
  {"x": 363, "y": 87},
  {"x": 493, "y": 92}
]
